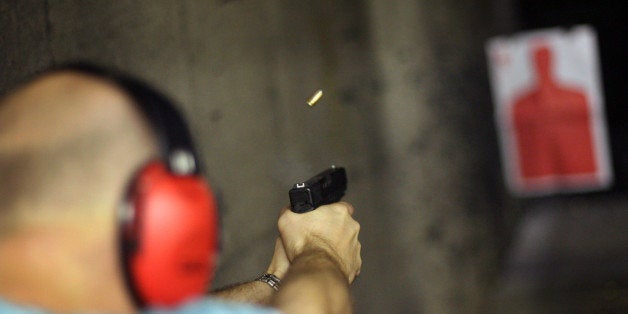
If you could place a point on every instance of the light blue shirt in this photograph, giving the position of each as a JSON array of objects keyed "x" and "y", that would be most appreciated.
[{"x": 205, "y": 305}]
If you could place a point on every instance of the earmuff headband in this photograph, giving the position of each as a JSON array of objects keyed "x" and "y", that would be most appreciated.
[{"x": 176, "y": 145}]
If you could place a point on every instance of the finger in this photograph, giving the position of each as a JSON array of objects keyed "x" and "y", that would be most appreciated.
[
  {"x": 349, "y": 207},
  {"x": 359, "y": 259},
  {"x": 279, "y": 246}
]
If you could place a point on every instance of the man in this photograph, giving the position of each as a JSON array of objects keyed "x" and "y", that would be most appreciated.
[{"x": 70, "y": 142}]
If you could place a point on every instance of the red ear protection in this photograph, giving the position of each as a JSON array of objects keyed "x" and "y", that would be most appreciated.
[
  {"x": 171, "y": 236},
  {"x": 168, "y": 220}
]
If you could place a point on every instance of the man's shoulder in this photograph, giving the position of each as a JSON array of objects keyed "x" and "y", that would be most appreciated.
[
  {"x": 10, "y": 308},
  {"x": 205, "y": 305},
  {"x": 214, "y": 306}
]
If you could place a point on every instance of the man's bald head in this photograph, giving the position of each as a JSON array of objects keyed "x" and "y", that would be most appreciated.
[{"x": 69, "y": 141}]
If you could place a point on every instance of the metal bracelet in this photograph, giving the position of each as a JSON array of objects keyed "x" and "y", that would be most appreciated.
[{"x": 271, "y": 280}]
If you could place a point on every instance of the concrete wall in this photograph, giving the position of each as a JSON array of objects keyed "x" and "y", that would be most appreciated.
[{"x": 406, "y": 110}]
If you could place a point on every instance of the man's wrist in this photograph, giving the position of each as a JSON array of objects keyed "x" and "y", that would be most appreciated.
[
  {"x": 321, "y": 260},
  {"x": 278, "y": 270}
]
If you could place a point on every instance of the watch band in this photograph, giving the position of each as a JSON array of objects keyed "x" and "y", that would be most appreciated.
[{"x": 271, "y": 280}]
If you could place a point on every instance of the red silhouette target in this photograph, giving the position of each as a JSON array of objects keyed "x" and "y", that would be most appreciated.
[{"x": 549, "y": 111}]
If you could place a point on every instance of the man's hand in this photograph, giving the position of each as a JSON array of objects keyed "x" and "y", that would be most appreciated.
[
  {"x": 318, "y": 252},
  {"x": 323, "y": 249},
  {"x": 329, "y": 229}
]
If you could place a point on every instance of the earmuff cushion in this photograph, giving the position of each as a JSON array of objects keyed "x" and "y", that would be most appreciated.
[{"x": 177, "y": 236}]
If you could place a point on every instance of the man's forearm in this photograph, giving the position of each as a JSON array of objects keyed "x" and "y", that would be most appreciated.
[
  {"x": 248, "y": 292},
  {"x": 314, "y": 284},
  {"x": 257, "y": 291}
]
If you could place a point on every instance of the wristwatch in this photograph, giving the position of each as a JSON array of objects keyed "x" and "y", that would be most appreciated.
[{"x": 271, "y": 280}]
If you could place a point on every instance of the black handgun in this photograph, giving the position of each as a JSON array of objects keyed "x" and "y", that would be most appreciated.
[{"x": 324, "y": 188}]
